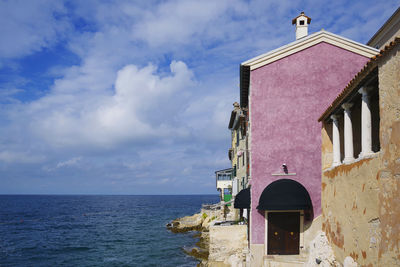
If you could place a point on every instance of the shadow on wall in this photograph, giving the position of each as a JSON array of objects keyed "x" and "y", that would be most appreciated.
[{"x": 287, "y": 195}]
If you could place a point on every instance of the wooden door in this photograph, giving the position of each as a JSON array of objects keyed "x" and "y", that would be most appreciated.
[{"x": 283, "y": 233}]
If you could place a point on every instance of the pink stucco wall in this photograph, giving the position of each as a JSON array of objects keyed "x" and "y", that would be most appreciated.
[{"x": 286, "y": 99}]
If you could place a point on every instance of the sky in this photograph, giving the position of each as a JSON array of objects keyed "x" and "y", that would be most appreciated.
[{"x": 134, "y": 97}]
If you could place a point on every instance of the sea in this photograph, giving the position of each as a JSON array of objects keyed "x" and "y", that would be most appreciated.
[{"x": 96, "y": 230}]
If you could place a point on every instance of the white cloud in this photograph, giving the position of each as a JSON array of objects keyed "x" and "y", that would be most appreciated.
[
  {"x": 167, "y": 180},
  {"x": 185, "y": 21},
  {"x": 143, "y": 105},
  {"x": 208, "y": 114},
  {"x": 177, "y": 21},
  {"x": 135, "y": 165},
  {"x": 29, "y": 26},
  {"x": 133, "y": 122},
  {"x": 71, "y": 162},
  {"x": 8, "y": 156}
]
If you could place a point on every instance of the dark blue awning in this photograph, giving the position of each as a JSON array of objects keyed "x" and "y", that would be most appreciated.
[
  {"x": 242, "y": 199},
  {"x": 284, "y": 194}
]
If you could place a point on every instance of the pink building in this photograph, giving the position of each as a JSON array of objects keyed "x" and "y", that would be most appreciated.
[{"x": 285, "y": 91}]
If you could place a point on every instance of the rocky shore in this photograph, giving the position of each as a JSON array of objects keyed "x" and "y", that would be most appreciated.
[
  {"x": 226, "y": 250},
  {"x": 201, "y": 223}
]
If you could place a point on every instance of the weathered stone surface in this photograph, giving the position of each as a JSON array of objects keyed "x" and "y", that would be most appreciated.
[
  {"x": 185, "y": 224},
  {"x": 360, "y": 201},
  {"x": 349, "y": 262},
  {"x": 350, "y": 204},
  {"x": 226, "y": 241},
  {"x": 198, "y": 253},
  {"x": 389, "y": 193},
  {"x": 321, "y": 253},
  {"x": 206, "y": 223},
  {"x": 235, "y": 261}
]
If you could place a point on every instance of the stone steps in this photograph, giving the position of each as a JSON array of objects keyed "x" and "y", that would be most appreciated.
[
  {"x": 283, "y": 264},
  {"x": 284, "y": 261}
]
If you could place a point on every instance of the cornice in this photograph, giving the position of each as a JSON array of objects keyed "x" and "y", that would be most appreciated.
[{"x": 306, "y": 42}]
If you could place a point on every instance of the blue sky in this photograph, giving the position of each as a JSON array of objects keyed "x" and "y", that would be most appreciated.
[{"x": 134, "y": 97}]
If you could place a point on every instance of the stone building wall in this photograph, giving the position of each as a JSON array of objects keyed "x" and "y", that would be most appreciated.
[
  {"x": 350, "y": 207},
  {"x": 360, "y": 201},
  {"x": 389, "y": 174}
]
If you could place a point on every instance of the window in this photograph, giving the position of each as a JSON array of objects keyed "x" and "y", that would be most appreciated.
[
  {"x": 227, "y": 191},
  {"x": 301, "y": 22},
  {"x": 224, "y": 177}
]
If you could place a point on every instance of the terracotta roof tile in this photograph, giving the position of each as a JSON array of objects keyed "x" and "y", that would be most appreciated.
[
  {"x": 368, "y": 67},
  {"x": 301, "y": 14}
]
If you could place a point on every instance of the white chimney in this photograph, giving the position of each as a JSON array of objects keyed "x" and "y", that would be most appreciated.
[{"x": 301, "y": 22}]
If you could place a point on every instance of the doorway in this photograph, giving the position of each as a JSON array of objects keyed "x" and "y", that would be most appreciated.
[{"x": 283, "y": 233}]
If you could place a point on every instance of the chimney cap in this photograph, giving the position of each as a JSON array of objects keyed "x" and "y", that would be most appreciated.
[{"x": 301, "y": 15}]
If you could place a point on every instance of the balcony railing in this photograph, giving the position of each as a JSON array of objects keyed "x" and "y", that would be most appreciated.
[{"x": 224, "y": 177}]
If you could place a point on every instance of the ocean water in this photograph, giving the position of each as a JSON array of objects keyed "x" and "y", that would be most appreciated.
[{"x": 51, "y": 230}]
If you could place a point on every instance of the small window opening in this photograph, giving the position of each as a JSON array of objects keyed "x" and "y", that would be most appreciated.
[
  {"x": 227, "y": 191},
  {"x": 301, "y": 22},
  {"x": 375, "y": 120}
]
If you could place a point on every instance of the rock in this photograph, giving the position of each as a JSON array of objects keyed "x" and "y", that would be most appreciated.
[
  {"x": 206, "y": 222},
  {"x": 321, "y": 253},
  {"x": 199, "y": 222},
  {"x": 185, "y": 224},
  {"x": 234, "y": 261},
  {"x": 198, "y": 253},
  {"x": 227, "y": 244},
  {"x": 349, "y": 262},
  {"x": 204, "y": 241}
]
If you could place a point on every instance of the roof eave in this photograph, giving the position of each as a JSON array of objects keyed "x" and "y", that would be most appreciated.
[
  {"x": 228, "y": 169},
  {"x": 306, "y": 42},
  {"x": 308, "y": 19},
  {"x": 352, "y": 86},
  {"x": 392, "y": 17},
  {"x": 244, "y": 85},
  {"x": 358, "y": 78}
]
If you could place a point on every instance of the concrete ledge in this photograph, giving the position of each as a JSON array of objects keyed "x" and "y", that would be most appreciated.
[{"x": 227, "y": 240}]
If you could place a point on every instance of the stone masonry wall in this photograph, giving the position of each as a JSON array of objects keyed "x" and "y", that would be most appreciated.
[
  {"x": 360, "y": 201},
  {"x": 389, "y": 174},
  {"x": 350, "y": 206}
]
